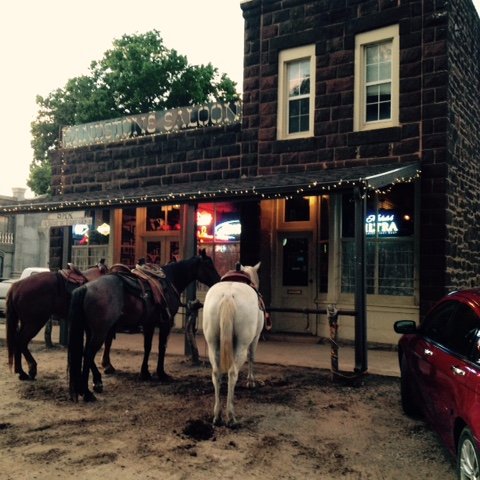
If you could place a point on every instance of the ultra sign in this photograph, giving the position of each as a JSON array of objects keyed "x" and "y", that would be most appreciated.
[{"x": 381, "y": 224}]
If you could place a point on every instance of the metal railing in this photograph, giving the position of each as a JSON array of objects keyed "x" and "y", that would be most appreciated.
[{"x": 6, "y": 238}]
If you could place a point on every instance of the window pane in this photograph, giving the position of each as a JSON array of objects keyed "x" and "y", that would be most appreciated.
[
  {"x": 372, "y": 73},
  {"x": 385, "y": 52},
  {"x": 371, "y": 54},
  {"x": 437, "y": 323},
  {"x": 384, "y": 91},
  {"x": 294, "y": 107},
  {"x": 465, "y": 331},
  {"x": 384, "y": 111},
  {"x": 372, "y": 113},
  {"x": 297, "y": 210},
  {"x": 384, "y": 71},
  {"x": 373, "y": 94},
  {"x": 395, "y": 267},
  {"x": 298, "y": 75},
  {"x": 389, "y": 227},
  {"x": 295, "y": 262},
  {"x": 298, "y": 115},
  {"x": 305, "y": 86}
]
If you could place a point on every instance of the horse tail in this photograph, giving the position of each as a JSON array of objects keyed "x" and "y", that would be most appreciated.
[
  {"x": 76, "y": 323},
  {"x": 12, "y": 321},
  {"x": 227, "y": 312}
]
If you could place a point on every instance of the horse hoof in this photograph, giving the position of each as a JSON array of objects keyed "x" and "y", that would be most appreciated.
[
  {"x": 89, "y": 397},
  {"x": 109, "y": 370},
  {"x": 23, "y": 376},
  {"x": 233, "y": 424},
  {"x": 98, "y": 388},
  {"x": 145, "y": 376},
  {"x": 217, "y": 422},
  {"x": 165, "y": 378}
]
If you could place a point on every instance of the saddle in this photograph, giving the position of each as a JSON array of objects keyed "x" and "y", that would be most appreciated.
[
  {"x": 144, "y": 279},
  {"x": 238, "y": 275},
  {"x": 73, "y": 275}
]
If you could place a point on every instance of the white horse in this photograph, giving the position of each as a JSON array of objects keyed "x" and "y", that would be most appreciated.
[{"x": 233, "y": 319}]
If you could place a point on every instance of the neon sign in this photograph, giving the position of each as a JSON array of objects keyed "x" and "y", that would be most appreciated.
[{"x": 381, "y": 224}]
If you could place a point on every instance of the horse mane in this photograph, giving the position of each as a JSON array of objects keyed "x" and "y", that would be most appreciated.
[{"x": 252, "y": 272}]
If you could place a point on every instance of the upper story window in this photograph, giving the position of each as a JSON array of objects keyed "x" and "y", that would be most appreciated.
[
  {"x": 296, "y": 95},
  {"x": 376, "y": 79}
]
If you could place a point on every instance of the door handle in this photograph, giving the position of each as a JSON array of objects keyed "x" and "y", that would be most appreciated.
[
  {"x": 428, "y": 352},
  {"x": 458, "y": 371}
]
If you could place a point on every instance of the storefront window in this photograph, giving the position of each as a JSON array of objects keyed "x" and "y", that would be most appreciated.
[
  {"x": 389, "y": 229},
  {"x": 218, "y": 231},
  {"x": 127, "y": 247},
  {"x": 163, "y": 218},
  {"x": 90, "y": 238}
]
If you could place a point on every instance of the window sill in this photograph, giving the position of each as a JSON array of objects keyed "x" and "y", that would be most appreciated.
[{"x": 383, "y": 135}]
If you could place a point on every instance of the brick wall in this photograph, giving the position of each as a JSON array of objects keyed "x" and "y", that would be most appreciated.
[
  {"x": 186, "y": 156},
  {"x": 272, "y": 26},
  {"x": 463, "y": 186}
]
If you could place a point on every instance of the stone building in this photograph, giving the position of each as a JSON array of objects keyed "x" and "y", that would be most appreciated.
[
  {"x": 24, "y": 241},
  {"x": 350, "y": 170}
]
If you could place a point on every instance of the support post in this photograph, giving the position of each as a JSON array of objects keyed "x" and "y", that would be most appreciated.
[
  {"x": 332, "y": 315},
  {"x": 189, "y": 249},
  {"x": 66, "y": 256},
  {"x": 361, "y": 363}
]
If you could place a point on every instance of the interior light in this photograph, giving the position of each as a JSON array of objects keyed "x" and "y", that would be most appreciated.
[{"x": 104, "y": 229}]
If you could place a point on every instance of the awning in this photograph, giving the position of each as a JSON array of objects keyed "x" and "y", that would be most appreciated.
[{"x": 317, "y": 182}]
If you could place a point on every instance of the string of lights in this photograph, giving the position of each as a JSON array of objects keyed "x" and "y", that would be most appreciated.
[{"x": 265, "y": 192}]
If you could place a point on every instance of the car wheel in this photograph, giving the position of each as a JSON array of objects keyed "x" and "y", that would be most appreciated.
[
  {"x": 409, "y": 405},
  {"x": 468, "y": 466}
]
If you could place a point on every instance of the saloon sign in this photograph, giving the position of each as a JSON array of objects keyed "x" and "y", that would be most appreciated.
[{"x": 166, "y": 121}]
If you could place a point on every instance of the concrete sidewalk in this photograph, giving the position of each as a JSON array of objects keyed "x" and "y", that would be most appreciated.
[{"x": 278, "y": 349}]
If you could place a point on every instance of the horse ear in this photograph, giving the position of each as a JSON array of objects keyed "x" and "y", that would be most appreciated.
[
  {"x": 257, "y": 266},
  {"x": 202, "y": 252}
]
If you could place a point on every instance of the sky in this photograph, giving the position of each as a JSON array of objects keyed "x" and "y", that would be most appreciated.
[{"x": 45, "y": 43}]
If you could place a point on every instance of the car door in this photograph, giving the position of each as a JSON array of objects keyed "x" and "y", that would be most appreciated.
[
  {"x": 426, "y": 354},
  {"x": 454, "y": 371}
]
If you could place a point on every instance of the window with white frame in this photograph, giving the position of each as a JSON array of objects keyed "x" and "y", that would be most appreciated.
[
  {"x": 376, "y": 79},
  {"x": 296, "y": 92}
]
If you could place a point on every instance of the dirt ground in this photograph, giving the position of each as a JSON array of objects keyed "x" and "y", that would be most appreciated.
[{"x": 297, "y": 424}]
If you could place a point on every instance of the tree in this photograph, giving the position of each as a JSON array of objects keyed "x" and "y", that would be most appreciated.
[{"x": 137, "y": 75}]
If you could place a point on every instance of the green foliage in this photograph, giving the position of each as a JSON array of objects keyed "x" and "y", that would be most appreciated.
[
  {"x": 40, "y": 177},
  {"x": 137, "y": 75}
]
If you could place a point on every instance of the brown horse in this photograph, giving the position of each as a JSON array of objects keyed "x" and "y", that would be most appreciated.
[
  {"x": 98, "y": 307},
  {"x": 32, "y": 301}
]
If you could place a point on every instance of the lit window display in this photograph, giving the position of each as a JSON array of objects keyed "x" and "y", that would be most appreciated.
[
  {"x": 163, "y": 218},
  {"x": 218, "y": 231}
]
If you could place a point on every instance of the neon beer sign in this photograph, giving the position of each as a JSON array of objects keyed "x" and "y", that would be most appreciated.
[{"x": 381, "y": 224}]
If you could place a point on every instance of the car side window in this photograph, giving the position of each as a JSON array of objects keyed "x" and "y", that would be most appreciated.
[
  {"x": 455, "y": 325},
  {"x": 437, "y": 325},
  {"x": 464, "y": 330}
]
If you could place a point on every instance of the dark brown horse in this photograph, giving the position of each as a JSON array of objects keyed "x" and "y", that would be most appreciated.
[
  {"x": 32, "y": 301},
  {"x": 98, "y": 307}
]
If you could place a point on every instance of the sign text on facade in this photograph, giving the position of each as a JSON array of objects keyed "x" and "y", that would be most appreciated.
[{"x": 166, "y": 121}]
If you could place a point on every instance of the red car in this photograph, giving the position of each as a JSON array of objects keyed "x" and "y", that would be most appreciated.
[{"x": 440, "y": 374}]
